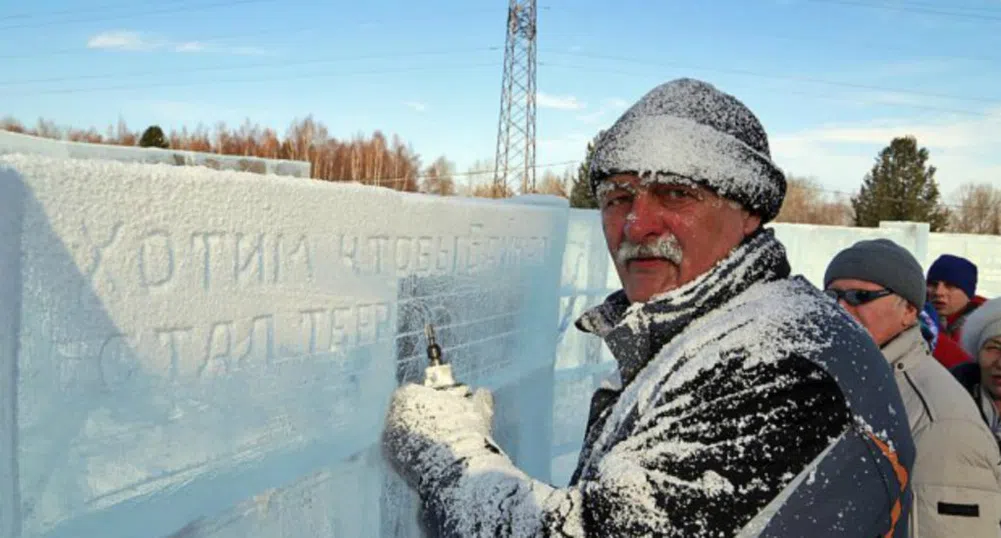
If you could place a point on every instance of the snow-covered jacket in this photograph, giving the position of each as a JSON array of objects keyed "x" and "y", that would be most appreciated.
[
  {"x": 956, "y": 479},
  {"x": 751, "y": 405}
]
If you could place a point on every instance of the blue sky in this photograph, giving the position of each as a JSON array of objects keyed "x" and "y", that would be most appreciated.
[{"x": 832, "y": 80}]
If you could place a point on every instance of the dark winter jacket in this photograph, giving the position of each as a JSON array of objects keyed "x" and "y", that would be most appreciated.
[{"x": 750, "y": 405}]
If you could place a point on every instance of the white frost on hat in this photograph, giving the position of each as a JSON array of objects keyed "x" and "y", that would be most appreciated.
[
  {"x": 689, "y": 130},
  {"x": 650, "y": 145}
]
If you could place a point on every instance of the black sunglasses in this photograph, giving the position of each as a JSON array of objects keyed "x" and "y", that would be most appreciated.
[{"x": 856, "y": 297}]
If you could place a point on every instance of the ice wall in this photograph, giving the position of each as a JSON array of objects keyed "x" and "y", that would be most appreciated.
[
  {"x": 11, "y": 143},
  {"x": 193, "y": 353},
  {"x": 811, "y": 248},
  {"x": 582, "y": 361},
  {"x": 186, "y": 352},
  {"x": 983, "y": 250}
]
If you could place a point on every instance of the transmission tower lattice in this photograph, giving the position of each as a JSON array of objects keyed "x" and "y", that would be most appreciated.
[{"x": 515, "y": 156}]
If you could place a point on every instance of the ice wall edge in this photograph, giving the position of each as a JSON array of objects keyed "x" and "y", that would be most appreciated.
[{"x": 11, "y": 210}]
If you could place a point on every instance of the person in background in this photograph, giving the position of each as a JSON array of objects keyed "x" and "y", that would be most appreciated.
[
  {"x": 952, "y": 290},
  {"x": 982, "y": 379},
  {"x": 957, "y": 474},
  {"x": 945, "y": 350},
  {"x": 930, "y": 326},
  {"x": 745, "y": 403}
]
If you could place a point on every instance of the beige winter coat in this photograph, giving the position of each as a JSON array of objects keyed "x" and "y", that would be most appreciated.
[{"x": 957, "y": 474}]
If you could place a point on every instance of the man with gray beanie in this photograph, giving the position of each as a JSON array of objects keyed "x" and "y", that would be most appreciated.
[
  {"x": 957, "y": 476},
  {"x": 745, "y": 403}
]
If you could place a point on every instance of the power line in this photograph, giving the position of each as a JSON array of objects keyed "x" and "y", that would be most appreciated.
[
  {"x": 876, "y": 45},
  {"x": 306, "y": 76},
  {"x": 426, "y": 175},
  {"x": 785, "y": 91},
  {"x": 186, "y": 9},
  {"x": 742, "y": 72},
  {"x": 751, "y": 73},
  {"x": 914, "y": 7},
  {"x": 89, "y": 9},
  {"x": 298, "y": 32},
  {"x": 295, "y": 32},
  {"x": 216, "y": 68}
]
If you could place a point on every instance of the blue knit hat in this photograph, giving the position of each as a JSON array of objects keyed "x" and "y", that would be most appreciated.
[{"x": 954, "y": 270}]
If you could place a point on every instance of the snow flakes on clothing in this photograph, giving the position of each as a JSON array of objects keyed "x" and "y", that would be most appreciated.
[
  {"x": 687, "y": 130},
  {"x": 723, "y": 405}
]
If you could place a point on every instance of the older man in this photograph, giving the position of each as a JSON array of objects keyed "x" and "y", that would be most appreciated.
[
  {"x": 744, "y": 404},
  {"x": 957, "y": 477}
]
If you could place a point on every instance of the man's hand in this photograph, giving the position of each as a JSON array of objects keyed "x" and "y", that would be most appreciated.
[{"x": 428, "y": 430}]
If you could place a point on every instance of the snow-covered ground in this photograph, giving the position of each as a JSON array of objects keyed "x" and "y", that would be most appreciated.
[{"x": 213, "y": 351}]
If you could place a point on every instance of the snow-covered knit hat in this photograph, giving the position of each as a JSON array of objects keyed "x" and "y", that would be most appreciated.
[
  {"x": 982, "y": 325},
  {"x": 688, "y": 128}
]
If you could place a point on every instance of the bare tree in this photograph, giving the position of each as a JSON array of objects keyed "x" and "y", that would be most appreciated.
[
  {"x": 439, "y": 178},
  {"x": 480, "y": 172},
  {"x": 553, "y": 184},
  {"x": 8, "y": 123},
  {"x": 978, "y": 210},
  {"x": 48, "y": 129},
  {"x": 489, "y": 190},
  {"x": 806, "y": 203},
  {"x": 369, "y": 160}
]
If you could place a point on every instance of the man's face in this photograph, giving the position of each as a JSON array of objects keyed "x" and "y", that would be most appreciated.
[
  {"x": 663, "y": 235},
  {"x": 946, "y": 298},
  {"x": 884, "y": 317},
  {"x": 989, "y": 359}
]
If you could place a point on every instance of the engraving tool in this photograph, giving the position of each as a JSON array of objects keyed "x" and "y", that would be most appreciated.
[{"x": 439, "y": 374}]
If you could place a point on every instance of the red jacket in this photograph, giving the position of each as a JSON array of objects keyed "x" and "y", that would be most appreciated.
[{"x": 948, "y": 352}]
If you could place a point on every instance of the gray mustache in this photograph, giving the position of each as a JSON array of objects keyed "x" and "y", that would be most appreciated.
[{"x": 665, "y": 246}]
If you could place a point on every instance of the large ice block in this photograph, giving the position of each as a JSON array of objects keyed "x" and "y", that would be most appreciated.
[
  {"x": 197, "y": 353},
  {"x": 588, "y": 276},
  {"x": 33, "y": 145}
]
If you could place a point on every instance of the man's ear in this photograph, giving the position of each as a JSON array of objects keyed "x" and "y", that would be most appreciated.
[
  {"x": 751, "y": 223},
  {"x": 910, "y": 311}
]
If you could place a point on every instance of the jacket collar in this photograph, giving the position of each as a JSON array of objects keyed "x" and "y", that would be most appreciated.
[
  {"x": 955, "y": 321},
  {"x": 636, "y": 332},
  {"x": 907, "y": 349}
]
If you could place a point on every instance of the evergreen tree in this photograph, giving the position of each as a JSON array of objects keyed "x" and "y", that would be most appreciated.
[
  {"x": 580, "y": 194},
  {"x": 153, "y": 137},
  {"x": 900, "y": 186}
]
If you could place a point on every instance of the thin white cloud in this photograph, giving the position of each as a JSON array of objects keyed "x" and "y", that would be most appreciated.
[
  {"x": 962, "y": 149},
  {"x": 120, "y": 40},
  {"x": 558, "y": 102},
  {"x": 608, "y": 106},
  {"x": 569, "y": 144},
  {"x": 416, "y": 106},
  {"x": 615, "y": 102},
  {"x": 249, "y": 51},
  {"x": 189, "y": 46},
  {"x": 136, "y": 41}
]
